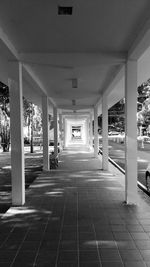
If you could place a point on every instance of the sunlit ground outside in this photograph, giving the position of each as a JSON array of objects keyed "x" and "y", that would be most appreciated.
[{"x": 33, "y": 166}]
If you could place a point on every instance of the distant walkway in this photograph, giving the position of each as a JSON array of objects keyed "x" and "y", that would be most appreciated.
[{"x": 74, "y": 216}]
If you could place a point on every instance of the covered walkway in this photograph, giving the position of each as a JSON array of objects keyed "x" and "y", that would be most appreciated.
[{"x": 75, "y": 216}]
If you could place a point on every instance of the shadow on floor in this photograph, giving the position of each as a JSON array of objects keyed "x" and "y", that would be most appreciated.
[{"x": 31, "y": 173}]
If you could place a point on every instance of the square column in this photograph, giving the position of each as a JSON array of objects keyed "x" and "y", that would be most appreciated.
[
  {"x": 17, "y": 140},
  {"x": 46, "y": 162},
  {"x": 55, "y": 131},
  {"x": 91, "y": 132},
  {"x": 96, "y": 141},
  {"x": 131, "y": 132},
  {"x": 60, "y": 130},
  {"x": 105, "y": 132},
  {"x": 88, "y": 132},
  {"x": 64, "y": 132}
]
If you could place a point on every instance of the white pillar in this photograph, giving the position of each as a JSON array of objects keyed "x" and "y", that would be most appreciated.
[
  {"x": 88, "y": 134},
  {"x": 96, "y": 141},
  {"x": 64, "y": 134},
  {"x": 131, "y": 132},
  {"x": 91, "y": 132},
  {"x": 60, "y": 130},
  {"x": 55, "y": 132},
  {"x": 105, "y": 132},
  {"x": 46, "y": 163},
  {"x": 16, "y": 126}
]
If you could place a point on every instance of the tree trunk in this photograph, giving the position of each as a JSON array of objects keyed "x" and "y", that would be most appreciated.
[{"x": 31, "y": 143}]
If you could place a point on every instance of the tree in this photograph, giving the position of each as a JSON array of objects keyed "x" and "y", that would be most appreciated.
[
  {"x": 116, "y": 115},
  {"x": 4, "y": 117},
  {"x": 32, "y": 119},
  {"x": 28, "y": 109},
  {"x": 143, "y": 114}
]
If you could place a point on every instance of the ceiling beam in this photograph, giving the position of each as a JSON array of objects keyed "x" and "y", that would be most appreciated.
[
  {"x": 115, "y": 80},
  {"x": 70, "y": 60},
  {"x": 8, "y": 46},
  {"x": 76, "y": 107},
  {"x": 38, "y": 83},
  {"x": 141, "y": 43},
  {"x": 77, "y": 113},
  {"x": 75, "y": 117}
]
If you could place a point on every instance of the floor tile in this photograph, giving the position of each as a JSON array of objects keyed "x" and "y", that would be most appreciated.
[
  {"x": 49, "y": 245},
  {"x": 88, "y": 255},
  {"x": 130, "y": 255},
  {"x": 90, "y": 264},
  {"x": 143, "y": 244},
  {"x": 107, "y": 244},
  {"x": 109, "y": 255},
  {"x": 112, "y": 264},
  {"x": 122, "y": 236},
  {"x": 68, "y": 256},
  {"x": 68, "y": 245},
  {"x": 145, "y": 254},
  {"x": 66, "y": 264},
  {"x": 79, "y": 222},
  {"x": 7, "y": 255},
  {"x": 140, "y": 236},
  {"x": 135, "y": 264},
  {"x": 45, "y": 257}
]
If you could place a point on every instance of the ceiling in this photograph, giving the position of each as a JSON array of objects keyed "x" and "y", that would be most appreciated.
[{"x": 90, "y": 46}]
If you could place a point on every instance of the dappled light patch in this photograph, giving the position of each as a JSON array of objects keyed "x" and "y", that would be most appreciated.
[
  {"x": 86, "y": 172},
  {"x": 117, "y": 188},
  {"x": 29, "y": 156},
  {"x": 45, "y": 179},
  {"x": 93, "y": 180},
  {"x": 41, "y": 185},
  {"x": 106, "y": 174},
  {"x": 4, "y": 196},
  {"x": 101, "y": 243},
  {"x": 74, "y": 152},
  {"x": 76, "y": 175},
  {"x": 19, "y": 210},
  {"x": 122, "y": 244},
  {"x": 142, "y": 160},
  {"x": 25, "y": 216},
  {"x": 33, "y": 167},
  {"x": 56, "y": 192},
  {"x": 110, "y": 179},
  {"x": 7, "y": 167},
  {"x": 82, "y": 160},
  {"x": 89, "y": 244},
  {"x": 106, "y": 243},
  {"x": 142, "y": 170}
]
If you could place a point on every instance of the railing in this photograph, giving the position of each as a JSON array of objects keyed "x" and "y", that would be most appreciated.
[{"x": 140, "y": 185}]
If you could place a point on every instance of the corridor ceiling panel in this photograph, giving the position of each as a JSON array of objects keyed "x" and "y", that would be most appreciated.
[{"x": 89, "y": 46}]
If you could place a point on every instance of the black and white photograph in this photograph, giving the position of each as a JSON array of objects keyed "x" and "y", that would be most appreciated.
[{"x": 74, "y": 133}]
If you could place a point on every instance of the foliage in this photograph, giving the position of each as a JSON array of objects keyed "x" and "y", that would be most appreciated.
[
  {"x": 32, "y": 119},
  {"x": 4, "y": 117},
  {"x": 143, "y": 115},
  {"x": 116, "y": 115},
  {"x": 33, "y": 112}
]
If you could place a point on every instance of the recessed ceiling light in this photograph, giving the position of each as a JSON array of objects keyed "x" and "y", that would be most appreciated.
[
  {"x": 65, "y": 10},
  {"x": 73, "y": 102},
  {"x": 74, "y": 83}
]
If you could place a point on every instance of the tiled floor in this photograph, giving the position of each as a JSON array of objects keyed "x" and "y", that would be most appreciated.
[{"x": 75, "y": 217}]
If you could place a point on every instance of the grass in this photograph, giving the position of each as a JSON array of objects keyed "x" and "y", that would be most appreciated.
[{"x": 33, "y": 167}]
